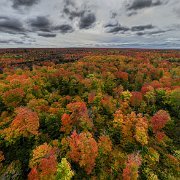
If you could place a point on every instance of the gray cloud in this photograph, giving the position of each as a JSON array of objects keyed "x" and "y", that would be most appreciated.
[
  {"x": 157, "y": 32},
  {"x": 11, "y": 41},
  {"x": 40, "y": 23},
  {"x": 47, "y": 35},
  {"x": 73, "y": 14},
  {"x": 116, "y": 28},
  {"x": 140, "y": 33},
  {"x": 152, "y": 32},
  {"x": 65, "y": 28},
  {"x": 132, "y": 13},
  {"x": 69, "y": 2},
  {"x": 92, "y": 23},
  {"x": 82, "y": 12},
  {"x": 86, "y": 21},
  {"x": 140, "y": 4},
  {"x": 175, "y": 27},
  {"x": 71, "y": 10},
  {"x": 5, "y": 41},
  {"x": 142, "y": 28},
  {"x": 177, "y": 11},
  {"x": 111, "y": 25},
  {"x": 11, "y": 25},
  {"x": 43, "y": 24},
  {"x": 114, "y": 15},
  {"x": 4, "y": 18},
  {"x": 27, "y": 3}
]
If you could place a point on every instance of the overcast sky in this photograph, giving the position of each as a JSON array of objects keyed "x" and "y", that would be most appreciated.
[{"x": 90, "y": 23}]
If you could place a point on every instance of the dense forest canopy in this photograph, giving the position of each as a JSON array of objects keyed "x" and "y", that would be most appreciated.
[{"x": 89, "y": 114}]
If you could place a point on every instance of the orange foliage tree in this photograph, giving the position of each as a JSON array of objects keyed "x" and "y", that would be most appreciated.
[
  {"x": 25, "y": 123},
  {"x": 132, "y": 126},
  {"x": 1, "y": 158},
  {"x": 79, "y": 117},
  {"x": 43, "y": 163},
  {"x": 19, "y": 80},
  {"x": 13, "y": 97},
  {"x": 104, "y": 144},
  {"x": 83, "y": 150},
  {"x": 122, "y": 75}
]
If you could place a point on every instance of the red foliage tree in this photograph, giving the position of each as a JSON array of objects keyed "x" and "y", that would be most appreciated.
[
  {"x": 136, "y": 98},
  {"x": 131, "y": 170},
  {"x": 48, "y": 165},
  {"x": 108, "y": 103},
  {"x": 160, "y": 136},
  {"x": 166, "y": 81},
  {"x": 158, "y": 122},
  {"x": 67, "y": 123},
  {"x": 79, "y": 117},
  {"x": 26, "y": 123},
  {"x": 43, "y": 163},
  {"x": 122, "y": 75},
  {"x": 156, "y": 84},
  {"x": 91, "y": 97},
  {"x": 83, "y": 150},
  {"x": 146, "y": 88},
  {"x": 33, "y": 175}
]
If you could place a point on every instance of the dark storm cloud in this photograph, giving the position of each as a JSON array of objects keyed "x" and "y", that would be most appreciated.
[
  {"x": 43, "y": 24},
  {"x": 40, "y": 23},
  {"x": 27, "y": 3},
  {"x": 83, "y": 14},
  {"x": 116, "y": 28},
  {"x": 140, "y": 4},
  {"x": 142, "y": 28},
  {"x": 65, "y": 28},
  {"x": 86, "y": 21},
  {"x": 11, "y": 25},
  {"x": 47, "y": 35}
]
